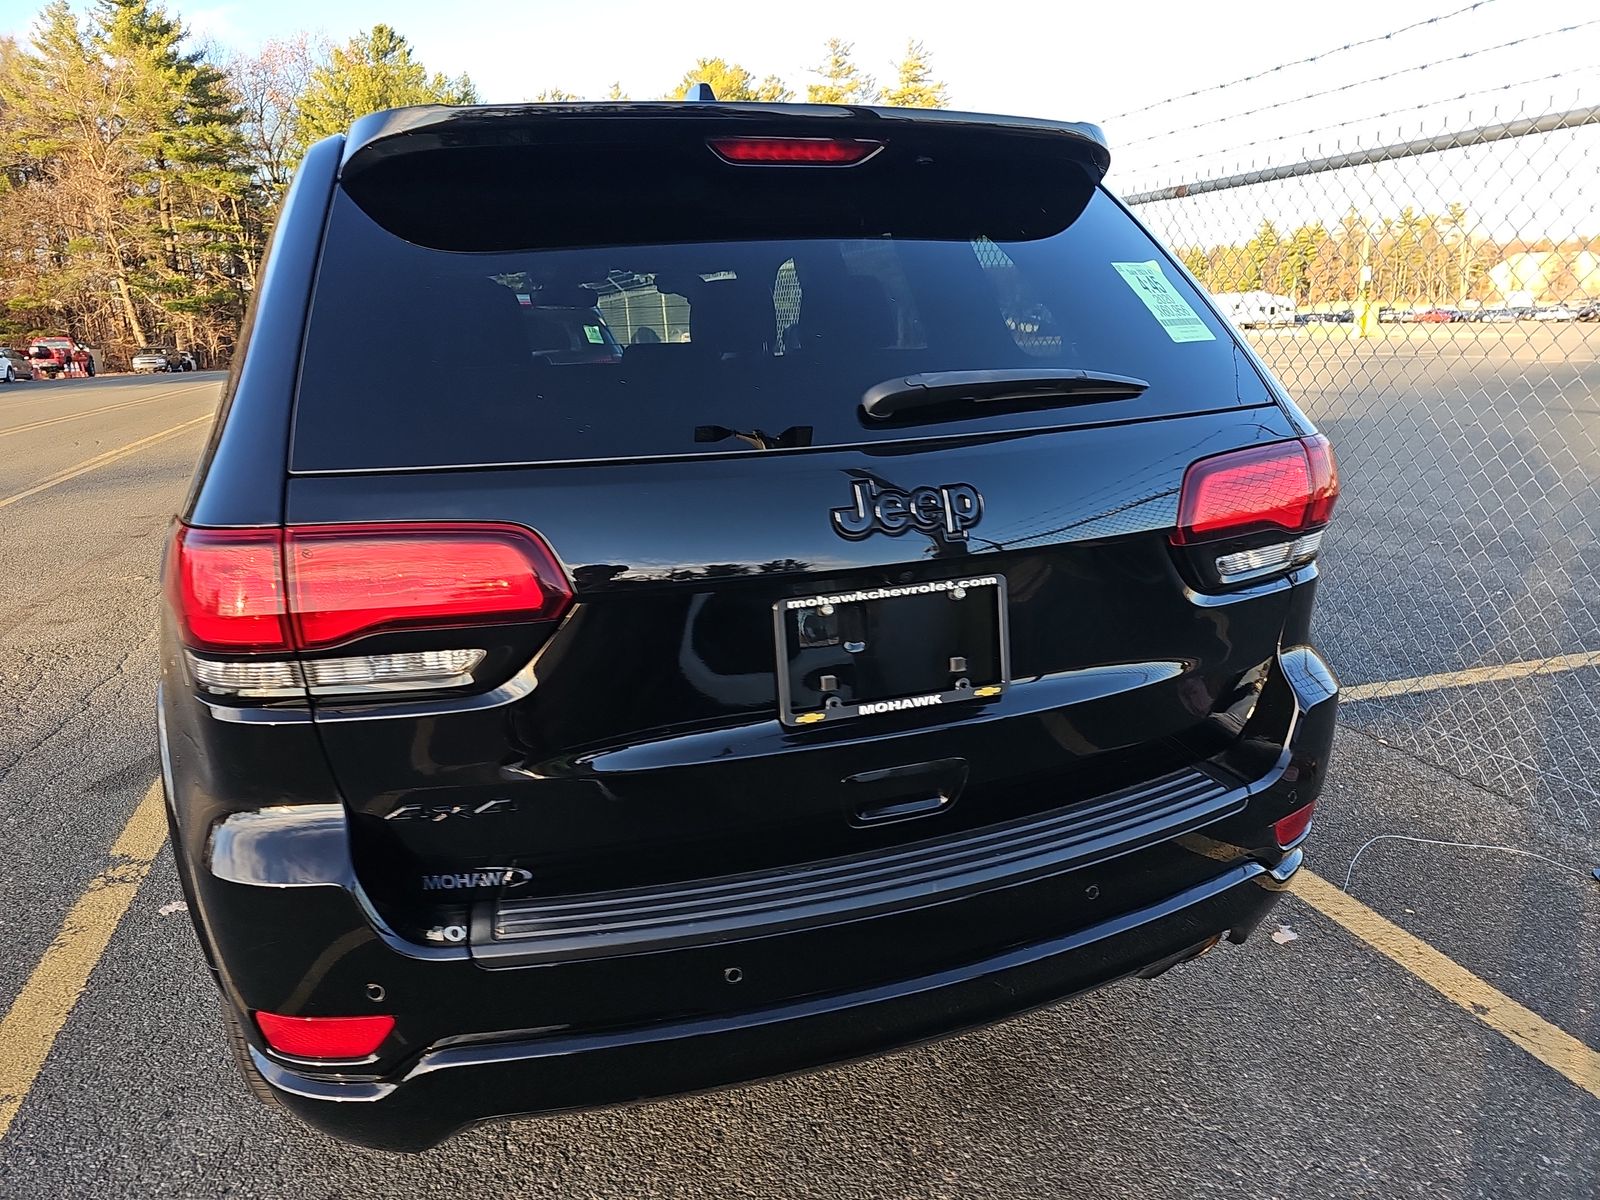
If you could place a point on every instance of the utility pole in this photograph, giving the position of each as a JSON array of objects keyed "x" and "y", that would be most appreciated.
[{"x": 1366, "y": 311}]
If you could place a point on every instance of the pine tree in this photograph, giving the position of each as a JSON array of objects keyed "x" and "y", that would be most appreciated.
[
  {"x": 1261, "y": 258},
  {"x": 189, "y": 172},
  {"x": 772, "y": 90},
  {"x": 842, "y": 81},
  {"x": 1199, "y": 264},
  {"x": 730, "y": 81},
  {"x": 130, "y": 186},
  {"x": 65, "y": 167},
  {"x": 372, "y": 71},
  {"x": 917, "y": 88},
  {"x": 1298, "y": 265}
]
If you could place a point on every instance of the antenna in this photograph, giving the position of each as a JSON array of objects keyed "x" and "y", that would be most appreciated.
[{"x": 700, "y": 93}]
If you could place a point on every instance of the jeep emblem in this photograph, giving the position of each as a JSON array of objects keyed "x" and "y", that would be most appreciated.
[{"x": 948, "y": 511}]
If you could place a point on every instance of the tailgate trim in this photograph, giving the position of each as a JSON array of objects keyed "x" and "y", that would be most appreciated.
[{"x": 703, "y": 912}]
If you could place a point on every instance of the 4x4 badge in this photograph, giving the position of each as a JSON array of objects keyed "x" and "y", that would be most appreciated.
[{"x": 946, "y": 511}]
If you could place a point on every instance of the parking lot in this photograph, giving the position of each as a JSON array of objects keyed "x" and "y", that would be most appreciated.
[{"x": 1339, "y": 1057}]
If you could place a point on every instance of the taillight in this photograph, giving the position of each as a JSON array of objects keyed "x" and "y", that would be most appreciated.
[
  {"x": 1286, "y": 488},
  {"x": 348, "y": 581},
  {"x": 794, "y": 151},
  {"x": 346, "y": 1038},
  {"x": 265, "y": 593},
  {"x": 226, "y": 588},
  {"x": 1324, "y": 480}
]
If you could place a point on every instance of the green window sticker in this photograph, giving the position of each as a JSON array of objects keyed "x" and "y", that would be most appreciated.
[
  {"x": 592, "y": 332},
  {"x": 1180, "y": 321}
]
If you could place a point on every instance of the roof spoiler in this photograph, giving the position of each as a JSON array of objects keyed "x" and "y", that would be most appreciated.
[
  {"x": 400, "y": 131},
  {"x": 564, "y": 176}
]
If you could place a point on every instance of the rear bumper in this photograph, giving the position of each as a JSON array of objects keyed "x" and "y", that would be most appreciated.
[
  {"x": 455, "y": 1086},
  {"x": 477, "y": 1039}
]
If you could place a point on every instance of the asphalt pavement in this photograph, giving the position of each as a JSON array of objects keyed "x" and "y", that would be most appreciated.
[{"x": 1306, "y": 1065}]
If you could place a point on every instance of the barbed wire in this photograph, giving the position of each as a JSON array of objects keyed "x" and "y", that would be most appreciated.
[
  {"x": 1301, "y": 62},
  {"x": 1382, "y": 116},
  {"x": 1347, "y": 87}
]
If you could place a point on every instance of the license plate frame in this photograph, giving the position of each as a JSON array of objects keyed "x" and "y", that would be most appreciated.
[{"x": 920, "y": 623}]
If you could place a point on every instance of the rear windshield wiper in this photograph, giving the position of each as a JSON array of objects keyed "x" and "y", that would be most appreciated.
[{"x": 1010, "y": 390}]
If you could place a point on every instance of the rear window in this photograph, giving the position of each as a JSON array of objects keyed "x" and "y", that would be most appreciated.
[{"x": 422, "y": 357}]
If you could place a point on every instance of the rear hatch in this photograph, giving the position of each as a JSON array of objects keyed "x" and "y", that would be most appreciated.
[{"x": 860, "y": 462}]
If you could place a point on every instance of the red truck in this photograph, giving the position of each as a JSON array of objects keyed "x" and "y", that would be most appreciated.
[{"x": 56, "y": 356}]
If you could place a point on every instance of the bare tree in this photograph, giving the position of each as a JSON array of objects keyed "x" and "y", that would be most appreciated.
[{"x": 269, "y": 84}]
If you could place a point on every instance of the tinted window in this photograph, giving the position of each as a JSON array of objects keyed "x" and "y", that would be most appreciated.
[{"x": 549, "y": 355}]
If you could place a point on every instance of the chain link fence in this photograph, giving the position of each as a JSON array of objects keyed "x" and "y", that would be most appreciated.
[{"x": 1433, "y": 303}]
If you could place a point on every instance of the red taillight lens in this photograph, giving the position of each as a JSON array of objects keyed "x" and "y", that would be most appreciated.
[
  {"x": 324, "y": 1037},
  {"x": 802, "y": 151},
  {"x": 1289, "y": 830},
  {"x": 1324, "y": 480},
  {"x": 226, "y": 588},
  {"x": 348, "y": 581},
  {"x": 1290, "y": 486}
]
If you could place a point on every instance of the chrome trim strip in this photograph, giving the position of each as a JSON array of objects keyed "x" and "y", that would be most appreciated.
[
  {"x": 314, "y": 1087},
  {"x": 1281, "y": 877}
]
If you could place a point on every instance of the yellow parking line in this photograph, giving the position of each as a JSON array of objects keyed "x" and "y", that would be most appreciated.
[
  {"x": 100, "y": 460},
  {"x": 1554, "y": 1047},
  {"x": 36, "y": 1017},
  {"x": 30, "y": 1026},
  {"x": 1455, "y": 679}
]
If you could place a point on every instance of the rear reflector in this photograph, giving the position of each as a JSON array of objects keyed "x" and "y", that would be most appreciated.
[
  {"x": 324, "y": 1037},
  {"x": 1289, "y": 830},
  {"x": 794, "y": 151},
  {"x": 1289, "y": 486},
  {"x": 230, "y": 594}
]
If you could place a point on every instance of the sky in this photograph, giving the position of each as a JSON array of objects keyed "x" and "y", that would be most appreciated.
[{"x": 1067, "y": 59}]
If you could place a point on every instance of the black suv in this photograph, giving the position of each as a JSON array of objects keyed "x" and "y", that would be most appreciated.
[{"x": 900, "y": 620}]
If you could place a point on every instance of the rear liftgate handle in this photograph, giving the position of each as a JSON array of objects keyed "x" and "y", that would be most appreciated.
[{"x": 904, "y": 793}]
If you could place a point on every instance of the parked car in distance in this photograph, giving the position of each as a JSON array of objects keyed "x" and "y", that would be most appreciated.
[
  {"x": 1557, "y": 312},
  {"x": 14, "y": 365},
  {"x": 1590, "y": 311},
  {"x": 547, "y": 723},
  {"x": 1437, "y": 316},
  {"x": 57, "y": 355},
  {"x": 152, "y": 360}
]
